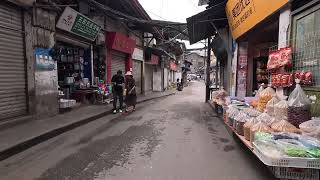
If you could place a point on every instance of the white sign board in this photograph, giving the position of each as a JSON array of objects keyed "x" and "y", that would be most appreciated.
[{"x": 137, "y": 54}]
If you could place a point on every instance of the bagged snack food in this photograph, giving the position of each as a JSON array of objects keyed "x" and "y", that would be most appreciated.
[
  {"x": 265, "y": 118},
  {"x": 247, "y": 126},
  {"x": 269, "y": 148},
  {"x": 261, "y": 88},
  {"x": 232, "y": 112},
  {"x": 259, "y": 127},
  {"x": 273, "y": 62},
  {"x": 262, "y": 136},
  {"x": 285, "y": 56},
  {"x": 299, "y": 106},
  {"x": 281, "y": 109},
  {"x": 308, "y": 78},
  {"x": 240, "y": 119},
  {"x": 311, "y": 128},
  {"x": 271, "y": 104},
  {"x": 265, "y": 96},
  {"x": 284, "y": 126},
  {"x": 251, "y": 112}
]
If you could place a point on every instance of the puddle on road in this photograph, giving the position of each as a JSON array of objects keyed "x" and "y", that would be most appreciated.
[{"x": 228, "y": 148}]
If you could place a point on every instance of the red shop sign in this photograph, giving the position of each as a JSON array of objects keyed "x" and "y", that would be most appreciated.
[
  {"x": 154, "y": 59},
  {"x": 173, "y": 66},
  {"x": 120, "y": 42}
]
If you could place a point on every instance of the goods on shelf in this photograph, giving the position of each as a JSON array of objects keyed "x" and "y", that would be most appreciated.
[
  {"x": 247, "y": 127},
  {"x": 305, "y": 77},
  {"x": 251, "y": 112},
  {"x": 281, "y": 109},
  {"x": 281, "y": 80},
  {"x": 271, "y": 104},
  {"x": 261, "y": 88},
  {"x": 265, "y": 118},
  {"x": 311, "y": 128},
  {"x": 240, "y": 119},
  {"x": 219, "y": 97},
  {"x": 284, "y": 126},
  {"x": 299, "y": 106},
  {"x": 280, "y": 58},
  {"x": 259, "y": 127},
  {"x": 265, "y": 96}
]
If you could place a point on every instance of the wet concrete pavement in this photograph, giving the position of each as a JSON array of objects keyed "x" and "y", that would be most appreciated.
[{"x": 176, "y": 138}]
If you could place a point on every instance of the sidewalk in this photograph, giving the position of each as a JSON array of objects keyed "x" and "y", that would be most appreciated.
[{"x": 25, "y": 135}]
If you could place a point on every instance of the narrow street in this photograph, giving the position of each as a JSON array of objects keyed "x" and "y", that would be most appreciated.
[{"x": 176, "y": 138}]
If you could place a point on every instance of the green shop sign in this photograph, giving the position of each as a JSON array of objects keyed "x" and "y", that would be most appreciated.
[{"x": 76, "y": 23}]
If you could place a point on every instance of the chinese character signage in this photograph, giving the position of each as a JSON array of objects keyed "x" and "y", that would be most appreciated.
[
  {"x": 120, "y": 42},
  {"x": 245, "y": 14},
  {"x": 76, "y": 23},
  {"x": 242, "y": 69},
  {"x": 173, "y": 66}
]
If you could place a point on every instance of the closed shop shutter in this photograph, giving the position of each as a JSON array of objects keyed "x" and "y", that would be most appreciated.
[
  {"x": 137, "y": 74},
  {"x": 118, "y": 63},
  {"x": 148, "y": 79},
  {"x": 13, "y": 101}
]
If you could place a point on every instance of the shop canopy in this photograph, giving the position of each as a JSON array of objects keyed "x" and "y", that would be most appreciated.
[{"x": 206, "y": 23}]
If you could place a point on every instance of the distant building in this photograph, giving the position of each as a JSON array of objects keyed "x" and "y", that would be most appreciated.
[{"x": 198, "y": 62}]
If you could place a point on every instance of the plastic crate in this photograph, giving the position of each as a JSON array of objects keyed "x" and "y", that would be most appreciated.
[
  {"x": 310, "y": 163},
  {"x": 295, "y": 173}
]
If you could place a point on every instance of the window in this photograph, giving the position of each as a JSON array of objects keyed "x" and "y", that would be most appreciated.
[{"x": 306, "y": 42}]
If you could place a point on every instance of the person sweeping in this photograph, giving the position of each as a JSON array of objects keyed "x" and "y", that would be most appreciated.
[{"x": 131, "y": 95}]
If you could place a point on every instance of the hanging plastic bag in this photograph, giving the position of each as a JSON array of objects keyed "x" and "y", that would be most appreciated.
[
  {"x": 299, "y": 106},
  {"x": 311, "y": 128},
  {"x": 271, "y": 104},
  {"x": 261, "y": 88},
  {"x": 281, "y": 109},
  {"x": 265, "y": 96}
]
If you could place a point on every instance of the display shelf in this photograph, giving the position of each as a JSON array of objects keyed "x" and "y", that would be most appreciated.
[
  {"x": 242, "y": 138},
  {"x": 293, "y": 162}
]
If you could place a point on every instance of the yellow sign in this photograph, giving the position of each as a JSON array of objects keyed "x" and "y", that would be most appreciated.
[{"x": 245, "y": 14}]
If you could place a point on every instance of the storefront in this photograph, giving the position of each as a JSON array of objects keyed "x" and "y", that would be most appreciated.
[
  {"x": 173, "y": 72},
  {"x": 74, "y": 54},
  {"x": 138, "y": 60},
  {"x": 256, "y": 30},
  {"x": 119, "y": 53},
  {"x": 13, "y": 88}
]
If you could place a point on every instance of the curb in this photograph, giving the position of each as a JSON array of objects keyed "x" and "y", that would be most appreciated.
[{"x": 20, "y": 147}]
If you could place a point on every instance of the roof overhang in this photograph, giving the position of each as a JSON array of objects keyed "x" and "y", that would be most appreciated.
[{"x": 206, "y": 23}]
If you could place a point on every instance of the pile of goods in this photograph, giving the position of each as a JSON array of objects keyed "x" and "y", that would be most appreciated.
[
  {"x": 219, "y": 97},
  {"x": 264, "y": 97},
  {"x": 299, "y": 109},
  {"x": 277, "y": 145}
]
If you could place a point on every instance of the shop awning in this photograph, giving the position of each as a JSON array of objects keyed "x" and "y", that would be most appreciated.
[
  {"x": 204, "y": 24},
  {"x": 156, "y": 51}
]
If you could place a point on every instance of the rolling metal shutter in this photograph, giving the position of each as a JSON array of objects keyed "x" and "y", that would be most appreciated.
[
  {"x": 13, "y": 101},
  {"x": 118, "y": 63},
  {"x": 137, "y": 75},
  {"x": 148, "y": 79}
]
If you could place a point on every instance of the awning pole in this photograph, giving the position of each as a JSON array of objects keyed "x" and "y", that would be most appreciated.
[{"x": 208, "y": 70}]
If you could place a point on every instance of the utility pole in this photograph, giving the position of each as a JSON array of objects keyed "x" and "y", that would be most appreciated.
[{"x": 208, "y": 70}]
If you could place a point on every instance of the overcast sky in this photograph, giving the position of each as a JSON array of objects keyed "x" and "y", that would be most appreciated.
[{"x": 172, "y": 10}]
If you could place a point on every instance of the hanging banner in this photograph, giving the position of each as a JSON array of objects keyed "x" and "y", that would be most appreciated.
[
  {"x": 76, "y": 23},
  {"x": 242, "y": 70},
  {"x": 245, "y": 14}
]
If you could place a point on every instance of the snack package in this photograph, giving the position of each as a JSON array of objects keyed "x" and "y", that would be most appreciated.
[
  {"x": 299, "y": 106},
  {"x": 271, "y": 104},
  {"x": 265, "y": 96},
  {"x": 270, "y": 148},
  {"x": 281, "y": 109},
  {"x": 259, "y": 90},
  {"x": 308, "y": 78},
  {"x": 285, "y": 57},
  {"x": 284, "y": 126},
  {"x": 293, "y": 148},
  {"x": 247, "y": 126},
  {"x": 265, "y": 118},
  {"x": 259, "y": 127},
  {"x": 311, "y": 128},
  {"x": 273, "y": 62},
  {"x": 251, "y": 112}
]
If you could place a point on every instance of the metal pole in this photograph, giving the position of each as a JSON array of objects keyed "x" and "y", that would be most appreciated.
[{"x": 208, "y": 70}]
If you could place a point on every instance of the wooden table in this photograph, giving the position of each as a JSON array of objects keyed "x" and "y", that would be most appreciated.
[{"x": 85, "y": 96}]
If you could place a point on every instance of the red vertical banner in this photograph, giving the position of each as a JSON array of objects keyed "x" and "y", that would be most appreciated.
[
  {"x": 242, "y": 69},
  {"x": 108, "y": 65}
]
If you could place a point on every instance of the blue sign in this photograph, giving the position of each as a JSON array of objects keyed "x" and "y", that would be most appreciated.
[{"x": 44, "y": 60}]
